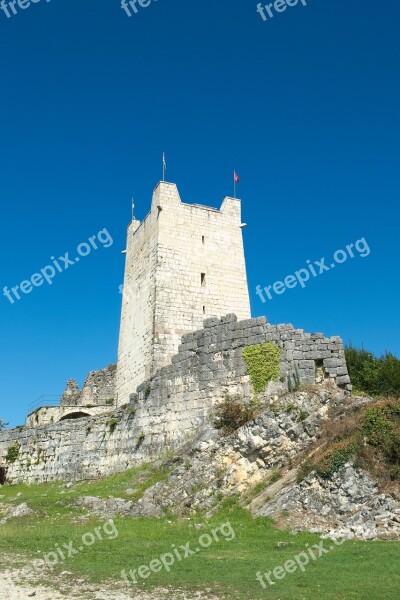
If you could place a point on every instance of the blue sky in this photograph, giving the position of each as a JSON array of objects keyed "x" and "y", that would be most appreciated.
[{"x": 304, "y": 106}]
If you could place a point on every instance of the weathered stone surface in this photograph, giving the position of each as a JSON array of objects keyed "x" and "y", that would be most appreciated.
[
  {"x": 212, "y": 466},
  {"x": 348, "y": 505},
  {"x": 21, "y": 510},
  {"x": 108, "y": 507}
]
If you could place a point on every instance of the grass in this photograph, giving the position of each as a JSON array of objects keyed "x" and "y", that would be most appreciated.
[{"x": 359, "y": 570}]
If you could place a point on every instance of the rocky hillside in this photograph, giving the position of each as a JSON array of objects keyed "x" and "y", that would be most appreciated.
[{"x": 316, "y": 459}]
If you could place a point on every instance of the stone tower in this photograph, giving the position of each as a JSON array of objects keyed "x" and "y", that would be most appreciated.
[{"x": 184, "y": 263}]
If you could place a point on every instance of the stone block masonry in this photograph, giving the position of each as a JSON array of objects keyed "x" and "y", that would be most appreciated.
[
  {"x": 173, "y": 406},
  {"x": 184, "y": 263}
]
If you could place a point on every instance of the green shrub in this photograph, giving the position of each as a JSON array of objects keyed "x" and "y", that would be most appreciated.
[
  {"x": 13, "y": 453},
  {"x": 263, "y": 364},
  {"x": 232, "y": 413},
  {"x": 303, "y": 415},
  {"x": 147, "y": 391},
  {"x": 112, "y": 423},
  {"x": 382, "y": 431},
  {"x": 376, "y": 376},
  {"x": 335, "y": 458}
]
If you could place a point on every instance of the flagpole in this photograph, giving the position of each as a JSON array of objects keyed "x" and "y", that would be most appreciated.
[{"x": 234, "y": 185}]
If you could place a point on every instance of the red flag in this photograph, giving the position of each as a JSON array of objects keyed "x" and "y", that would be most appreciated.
[{"x": 235, "y": 177}]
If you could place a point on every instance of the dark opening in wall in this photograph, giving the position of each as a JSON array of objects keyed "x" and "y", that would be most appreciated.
[
  {"x": 75, "y": 415},
  {"x": 320, "y": 373},
  {"x": 204, "y": 310},
  {"x": 202, "y": 239},
  {"x": 203, "y": 280},
  {"x": 3, "y": 472}
]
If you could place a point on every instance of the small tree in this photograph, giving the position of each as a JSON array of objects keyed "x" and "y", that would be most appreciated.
[{"x": 3, "y": 424}]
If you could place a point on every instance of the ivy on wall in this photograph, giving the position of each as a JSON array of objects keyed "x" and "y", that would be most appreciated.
[{"x": 263, "y": 364}]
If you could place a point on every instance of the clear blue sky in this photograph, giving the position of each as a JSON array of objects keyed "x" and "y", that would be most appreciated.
[{"x": 305, "y": 106}]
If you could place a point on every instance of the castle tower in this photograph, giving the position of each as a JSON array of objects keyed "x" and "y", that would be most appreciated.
[{"x": 184, "y": 263}]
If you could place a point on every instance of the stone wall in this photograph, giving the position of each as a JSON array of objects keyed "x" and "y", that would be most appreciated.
[
  {"x": 171, "y": 408},
  {"x": 210, "y": 366}
]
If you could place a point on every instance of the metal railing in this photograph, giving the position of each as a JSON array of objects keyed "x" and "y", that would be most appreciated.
[{"x": 44, "y": 400}]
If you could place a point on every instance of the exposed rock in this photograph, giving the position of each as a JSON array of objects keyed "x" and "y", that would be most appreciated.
[
  {"x": 217, "y": 467},
  {"x": 348, "y": 505},
  {"x": 21, "y": 510},
  {"x": 107, "y": 507}
]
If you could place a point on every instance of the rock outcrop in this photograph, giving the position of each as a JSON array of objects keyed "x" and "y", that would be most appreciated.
[{"x": 348, "y": 505}]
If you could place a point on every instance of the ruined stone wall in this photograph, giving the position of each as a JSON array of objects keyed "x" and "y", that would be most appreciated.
[
  {"x": 174, "y": 404},
  {"x": 98, "y": 389},
  {"x": 96, "y": 397}
]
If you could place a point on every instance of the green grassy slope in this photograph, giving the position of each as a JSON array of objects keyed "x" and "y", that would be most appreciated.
[{"x": 355, "y": 570}]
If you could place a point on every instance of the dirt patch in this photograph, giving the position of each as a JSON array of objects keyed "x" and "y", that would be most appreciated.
[{"x": 14, "y": 586}]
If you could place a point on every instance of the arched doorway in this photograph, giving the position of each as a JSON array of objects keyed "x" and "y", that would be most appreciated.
[{"x": 75, "y": 415}]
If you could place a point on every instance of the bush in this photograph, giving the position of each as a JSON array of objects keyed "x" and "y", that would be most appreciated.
[
  {"x": 371, "y": 437},
  {"x": 232, "y": 413},
  {"x": 382, "y": 431},
  {"x": 336, "y": 457},
  {"x": 372, "y": 375},
  {"x": 112, "y": 423},
  {"x": 263, "y": 364},
  {"x": 13, "y": 453}
]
